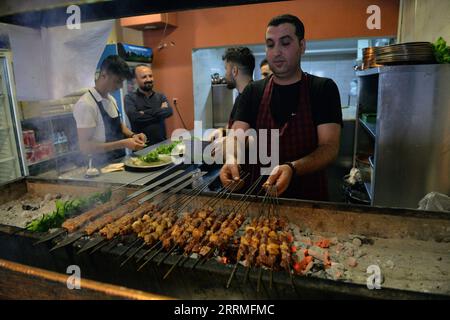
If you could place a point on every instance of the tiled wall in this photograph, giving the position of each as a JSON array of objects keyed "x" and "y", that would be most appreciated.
[
  {"x": 337, "y": 67},
  {"x": 204, "y": 63}
]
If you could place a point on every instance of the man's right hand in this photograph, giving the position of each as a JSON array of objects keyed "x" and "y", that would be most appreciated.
[
  {"x": 133, "y": 144},
  {"x": 229, "y": 174}
]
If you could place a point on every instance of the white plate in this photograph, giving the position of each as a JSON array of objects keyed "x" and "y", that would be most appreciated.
[{"x": 164, "y": 160}]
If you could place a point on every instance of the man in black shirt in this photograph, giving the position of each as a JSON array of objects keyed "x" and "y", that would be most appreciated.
[
  {"x": 147, "y": 109},
  {"x": 265, "y": 69},
  {"x": 327, "y": 106},
  {"x": 305, "y": 109},
  {"x": 239, "y": 66}
]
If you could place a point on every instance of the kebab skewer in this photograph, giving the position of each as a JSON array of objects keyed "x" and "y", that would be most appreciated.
[{"x": 114, "y": 229}]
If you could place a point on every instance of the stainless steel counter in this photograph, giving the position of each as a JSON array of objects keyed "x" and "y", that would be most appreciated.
[{"x": 118, "y": 177}]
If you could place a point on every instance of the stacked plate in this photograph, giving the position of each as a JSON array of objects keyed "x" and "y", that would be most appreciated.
[
  {"x": 369, "y": 58},
  {"x": 405, "y": 53}
]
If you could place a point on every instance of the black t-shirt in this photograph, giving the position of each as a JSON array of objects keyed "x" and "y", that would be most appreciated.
[
  {"x": 233, "y": 111},
  {"x": 325, "y": 101}
]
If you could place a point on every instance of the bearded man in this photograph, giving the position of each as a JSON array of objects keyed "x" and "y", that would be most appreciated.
[{"x": 147, "y": 109}]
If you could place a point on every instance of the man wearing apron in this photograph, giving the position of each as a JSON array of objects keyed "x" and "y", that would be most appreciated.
[
  {"x": 100, "y": 131},
  {"x": 305, "y": 109}
]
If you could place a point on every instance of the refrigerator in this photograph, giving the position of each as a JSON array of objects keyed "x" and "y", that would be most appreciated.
[{"x": 12, "y": 152}]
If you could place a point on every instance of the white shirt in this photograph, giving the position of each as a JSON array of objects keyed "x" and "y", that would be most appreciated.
[{"x": 87, "y": 113}]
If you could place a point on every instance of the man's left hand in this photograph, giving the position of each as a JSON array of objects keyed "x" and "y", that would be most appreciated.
[
  {"x": 164, "y": 105},
  {"x": 140, "y": 137},
  {"x": 279, "y": 179}
]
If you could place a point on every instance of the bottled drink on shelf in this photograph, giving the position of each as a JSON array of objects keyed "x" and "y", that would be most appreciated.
[
  {"x": 29, "y": 139},
  {"x": 57, "y": 142},
  {"x": 64, "y": 142}
]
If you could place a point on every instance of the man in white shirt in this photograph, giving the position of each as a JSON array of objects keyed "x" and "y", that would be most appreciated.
[{"x": 100, "y": 130}]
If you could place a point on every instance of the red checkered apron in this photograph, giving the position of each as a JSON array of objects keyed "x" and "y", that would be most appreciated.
[{"x": 298, "y": 138}]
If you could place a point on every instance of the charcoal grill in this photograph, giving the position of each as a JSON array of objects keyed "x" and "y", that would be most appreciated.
[{"x": 395, "y": 232}]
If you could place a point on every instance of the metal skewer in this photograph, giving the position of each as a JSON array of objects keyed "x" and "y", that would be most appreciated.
[
  {"x": 93, "y": 242},
  {"x": 168, "y": 254},
  {"x": 271, "y": 278},
  {"x": 165, "y": 198},
  {"x": 103, "y": 244},
  {"x": 151, "y": 258},
  {"x": 50, "y": 236},
  {"x": 62, "y": 231},
  {"x": 173, "y": 267},
  {"x": 135, "y": 242},
  {"x": 235, "y": 209},
  {"x": 69, "y": 239},
  {"x": 246, "y": 276},
  {"x": 148, "y": 251},
  {"x": 258, "y": 284},
  {"x": 232, "y": 275},
  {"x": 291, "y": 277},
  {"x": 156, "y": 175},
  {"x": 132, "y": 255}
]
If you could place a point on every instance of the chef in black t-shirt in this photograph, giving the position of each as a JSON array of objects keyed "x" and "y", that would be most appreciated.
[
  {"x": 304, "y": 108},
  {"x": 239, "y": 66}
]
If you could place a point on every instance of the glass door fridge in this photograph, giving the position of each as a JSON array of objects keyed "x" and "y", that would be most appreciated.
[{"x": 12, "y": 153}]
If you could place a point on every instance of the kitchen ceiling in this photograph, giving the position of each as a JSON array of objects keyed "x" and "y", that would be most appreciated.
[{"x": 48, "y": 13}]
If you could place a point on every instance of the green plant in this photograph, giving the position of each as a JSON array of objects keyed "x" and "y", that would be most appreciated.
[
  {"x": 153, "y": 155},
  {"x": 441, "y": 51},
  {"x": 67, "y": 208}
]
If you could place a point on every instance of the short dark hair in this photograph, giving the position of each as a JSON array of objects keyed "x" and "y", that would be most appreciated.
[
  {"x": 117, "y": 66},
  {"x": 263, "y": 62},
  {"x": 242, "y": 56},
  {"x": 288, "y": 18},
  {"x": 140, "y": 65}
]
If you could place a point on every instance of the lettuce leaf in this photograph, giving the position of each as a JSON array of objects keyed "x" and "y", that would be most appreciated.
[{"x": 64, "y": 209}]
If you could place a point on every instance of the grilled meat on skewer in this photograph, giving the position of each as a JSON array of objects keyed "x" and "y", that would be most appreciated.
[
  {"x": 82, "y": 220},
  {"x": 123, "y": 225},
  {"x": 110, "y": 217}
]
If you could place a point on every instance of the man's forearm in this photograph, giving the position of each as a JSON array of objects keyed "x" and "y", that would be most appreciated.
[
  {"x": 158, "y": 114},
  {"x": 100, "y": 147},
  {"x": 127, "y": 132},
  {"x": 316, "y": 160}
]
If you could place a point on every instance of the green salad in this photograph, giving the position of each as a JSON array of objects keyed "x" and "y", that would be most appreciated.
[
  {"x": 153, "y": 156},
  {"x": 67, "y": 208}
]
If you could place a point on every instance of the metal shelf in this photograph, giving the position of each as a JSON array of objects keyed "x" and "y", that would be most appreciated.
[
  {"x": 70, "y": 153},
  {"x": 368, "y": 72},
  {"x": 49, "y": 117},
  {"x": 7, "y": 159},
  {"x": 368, "y": 186},
  {"x": 371, "y": 128}
]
